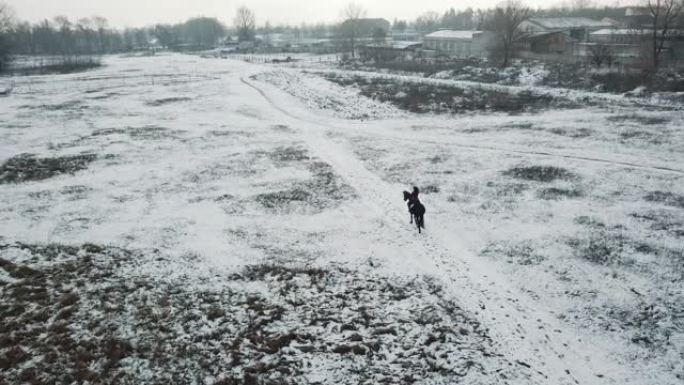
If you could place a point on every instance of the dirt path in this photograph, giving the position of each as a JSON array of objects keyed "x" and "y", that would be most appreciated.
[
  {"x": 522, "y": 331},
  {"x": 458, "y": 144}
]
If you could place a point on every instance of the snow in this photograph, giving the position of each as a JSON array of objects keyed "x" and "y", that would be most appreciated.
[
  {"x": 620, "y": 31},
  {"x": 396, "y": 44},
  {"x": 568, "y": 22},
  {"x": 451, "y": 34},
  {"x": 207, "y": 168},
  {"x": 532, "y": 76}
]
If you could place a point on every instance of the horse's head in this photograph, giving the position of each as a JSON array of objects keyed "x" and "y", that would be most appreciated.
[{"x": 407, "y": 196}]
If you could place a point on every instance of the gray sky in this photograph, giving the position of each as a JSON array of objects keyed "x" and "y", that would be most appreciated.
[{"x": 136, "y": 13}]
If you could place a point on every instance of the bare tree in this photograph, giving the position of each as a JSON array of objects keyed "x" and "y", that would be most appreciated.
[
  {"x": 379, "y": 35},
  {"x": 664, "y": 15},
  {"x": 505, "y": 21},
  {"x": 581, "y": 4},
  {"x": 601, "y": 54},
  {"x": 101, "y": 27},
  {"x": 64, "y": 27},
  {"x": 245, "y": 23},
  {"x": 429, "y": 21},
  {"x": 6, "y": 17},
  {"x": 352, "y": 14},
  {"x": 87, "y": 35},
  {"x": 6, "y": 22}
]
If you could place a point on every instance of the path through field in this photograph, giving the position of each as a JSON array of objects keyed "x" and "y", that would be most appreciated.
[
  {"x": 268, "y": 202},
  {"x": 527, "y": 333}
]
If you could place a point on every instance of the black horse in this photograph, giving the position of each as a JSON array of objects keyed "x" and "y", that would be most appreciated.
[{"x": 416, "y": 210}]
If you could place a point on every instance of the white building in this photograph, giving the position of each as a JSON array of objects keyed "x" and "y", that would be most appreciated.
[
  {"x": 578, "y": 28},
  {"x": 459, "y": 43}
]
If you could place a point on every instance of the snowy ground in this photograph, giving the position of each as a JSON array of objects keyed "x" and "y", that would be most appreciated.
[{"x": 174, "y": 219}]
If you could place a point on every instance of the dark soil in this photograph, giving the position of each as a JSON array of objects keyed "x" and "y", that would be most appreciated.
[
  {"x": 27, "y": 167},
  {"x": 104, "y": 315},
  {"x": 324, "y": 190},
  {"x": 164, "y": 101},
  {"x": 667, "y": 198},
  {"x": 638, "y": 119},
  {"x": 57, "y": 67},
  {"x": 573, "y": 76},
  {"x": 554, "y": 193},
  {"x": 540, "y": 173},
  {"x": 426, "y": 97}
]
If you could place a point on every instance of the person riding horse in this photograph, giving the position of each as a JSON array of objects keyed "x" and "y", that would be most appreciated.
[
  {"x": 415, "y": 208},
  {"x": 414, "y": 195}
]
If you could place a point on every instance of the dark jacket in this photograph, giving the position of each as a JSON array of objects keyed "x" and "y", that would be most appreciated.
[{"x": 414, "y": 195}]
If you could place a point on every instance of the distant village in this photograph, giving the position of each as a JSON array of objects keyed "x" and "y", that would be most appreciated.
[
  {"x": 648, "y": 37},
  {"x": 619, "y": 41}
]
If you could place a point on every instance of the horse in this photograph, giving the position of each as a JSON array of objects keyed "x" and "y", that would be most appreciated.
[{"x": 416, "y": 210}]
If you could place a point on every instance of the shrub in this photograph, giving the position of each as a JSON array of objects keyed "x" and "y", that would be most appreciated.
[
  {"x": 27, "y": 167},
  {"x": 539, "y": 173},
  {"x": 558, "y": 193},
  {"x": 667, "y": 198}
]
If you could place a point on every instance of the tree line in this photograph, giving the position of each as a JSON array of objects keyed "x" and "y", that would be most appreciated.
[{"x": 62, "y": 36}]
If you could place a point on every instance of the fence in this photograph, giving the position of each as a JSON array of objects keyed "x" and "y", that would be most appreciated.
[{"x": 281, "y": 58}]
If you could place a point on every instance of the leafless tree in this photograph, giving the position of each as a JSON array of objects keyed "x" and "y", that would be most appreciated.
[
  {"x": 87, "y": 34},
  {"x": 429, "y": 21},
  {"x": 581, "y": 4},
  {"x": 601, "y": 54},
  {"x": 664, "y": 14},
  {"x": 64, "y": 27},
  {"x": 245, "y": 23},
  {"x": 101, "y": 25},
  {"x": 505, "y": 21},
  {"x": 352, "y": 14},
  {"x": 6, "y": 17},
  {"x": 6, "y": 22}
]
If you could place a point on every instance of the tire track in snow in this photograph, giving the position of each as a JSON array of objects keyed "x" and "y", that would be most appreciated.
[
  {"x": 449, "y": 142},
  {"x": 521, "y": 331},
  {"x": 523, "y": 152}
]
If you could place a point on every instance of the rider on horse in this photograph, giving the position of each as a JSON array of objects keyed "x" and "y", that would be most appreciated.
[
  {"x": 414, "y": 196},
  {"x": 415, "y": 208}
]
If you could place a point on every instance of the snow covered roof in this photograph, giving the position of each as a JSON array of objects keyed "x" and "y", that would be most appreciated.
[
  {"x": 633, "y": 31},
  {"x": 568, "y": 22},
  {"x": 623, "y": 31},
  {"x": 451, "y": 34},
  {"x": 396, "y": 45},
  {"x": 546, "y": 33}
]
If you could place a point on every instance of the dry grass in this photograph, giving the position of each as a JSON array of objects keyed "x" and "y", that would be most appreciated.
[
  {"x": 539, "y": 173},
  {"x": 100, "y": 315},
  {"x": 27, "y": 167}
]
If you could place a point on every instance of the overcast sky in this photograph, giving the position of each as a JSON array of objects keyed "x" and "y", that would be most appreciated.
[{"x": 136, "y": 13}]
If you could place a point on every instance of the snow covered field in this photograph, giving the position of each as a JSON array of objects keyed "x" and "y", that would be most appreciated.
[{"x": 174, "y": 219}]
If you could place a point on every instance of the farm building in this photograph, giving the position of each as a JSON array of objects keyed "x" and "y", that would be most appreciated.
[
  {"x": 389, "y": 51},
  {"x": 315, "y": 45},
  {"x": 553, "y": 44},
  {"x": 630, "y": 46},
  {"x": 459, "y": 43},
  {"x": 409, "y": 34},
  {"x": 555, "y": 38},
  {"x": 578, "y": 28}
]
